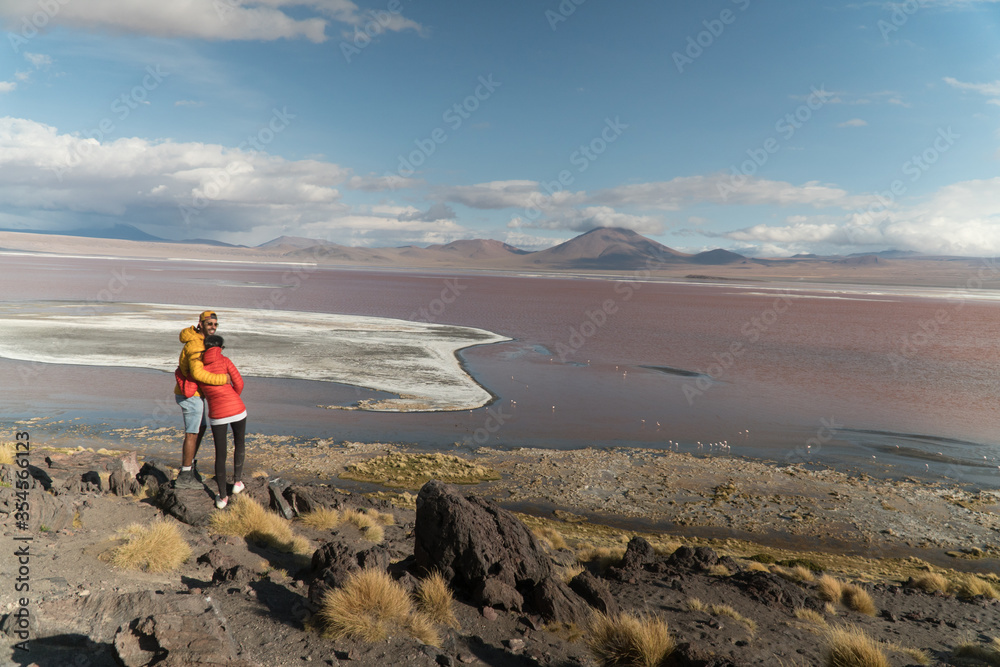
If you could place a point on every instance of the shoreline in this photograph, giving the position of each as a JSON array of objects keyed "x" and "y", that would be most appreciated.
[{"x": 710, "y": 499}]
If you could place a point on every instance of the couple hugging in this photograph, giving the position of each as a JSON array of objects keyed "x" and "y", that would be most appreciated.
[{"x": 204, "y": 375}]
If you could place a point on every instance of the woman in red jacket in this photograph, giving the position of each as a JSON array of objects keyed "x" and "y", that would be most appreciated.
[{"x": 225, "y": 407}]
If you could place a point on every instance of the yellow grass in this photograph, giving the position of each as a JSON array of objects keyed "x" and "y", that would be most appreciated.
[
  {"x": 726, "y": 610},
  {"x": 629, "y": 641},
  {"x": 248, "y": 519},
  {"x": 369, "y": 523},
  {"x": 930, "y": 582},
  {"x": 604, "y": 556},
  {"x": 322, "y": 518},
  {"x": 754, "y": 566},
  {"x": 157, "y": 547},
  {"x": 916, "y": 655},
  {"x": 551, "y": 536},
  {"x": 719, "y": 570},
  {"x": 412, "y": 471},
  {"x": 857, "y": 599},
  {"x": 849, "y": 646},
  {"x": 7, "y": 452},
  {"x": 568, "y": 573},
  {"x": 694, "y": 604},
  {"x": 989, "y": 653},
  {"x": 435, "y": 600},
  {"x": 969, "y": 586},
  {"x": 810, "y": 616},
  {"x": 829, "y": 588},
  {"x": 371, "y": 607}
]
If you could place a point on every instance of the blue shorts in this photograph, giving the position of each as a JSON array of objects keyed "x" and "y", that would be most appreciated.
[{"x": 194, "y": 412}]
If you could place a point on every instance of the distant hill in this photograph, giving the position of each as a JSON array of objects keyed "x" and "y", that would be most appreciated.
[
  {"x": 479, "y": 249},
  {"x": 717, "y": 256},
  {"x": 607, "y": 248}
]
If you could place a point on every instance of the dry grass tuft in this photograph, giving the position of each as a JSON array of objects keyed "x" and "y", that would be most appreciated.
[
  {"x": 158, "y": 547},
  {"x": 7, "y": 452},
  {"x": 989, "y": 653},
  {"x": 550, "y": 536},
  {"x": 604, "y": 557},
  {"x": 829, "y": 588},
  {"x": 719, "y": 570},
  {"x": 726, "y": 610},
  {"x": 569, "y": 572},
  {"x": 931, "y": 582},
  {"x": 849, "y": 646},
  {"x": 754, "y": 566},
  {"x": 246, "y": 518},
  {"x": 371, "y": 606},
  {"x": 626, "y": 640},
  {"x": 970, "y": 586},
  {"x": 323, "y": 518},
  {"x": 916, "y": 655},
  {"x": 810, "y": 615},
  {"x": 857, "y": 599},
  {"x": 370, "y": 523},
  {"x": 694, "y": 604},
  {"x": 435, "y": 600}
]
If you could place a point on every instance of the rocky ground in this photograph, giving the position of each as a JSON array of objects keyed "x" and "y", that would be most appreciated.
[{"x": 521, "y": 600}]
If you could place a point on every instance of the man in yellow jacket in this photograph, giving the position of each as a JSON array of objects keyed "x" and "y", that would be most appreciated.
[{"x": 193, "y": 408}]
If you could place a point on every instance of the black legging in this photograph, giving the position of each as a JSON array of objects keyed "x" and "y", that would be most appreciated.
[{"x": 239, "y": 435}]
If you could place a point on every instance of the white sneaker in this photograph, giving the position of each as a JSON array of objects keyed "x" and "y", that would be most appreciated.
[
  {"x": 238, "y": 488},
  {"x": 221, "y": 502}
]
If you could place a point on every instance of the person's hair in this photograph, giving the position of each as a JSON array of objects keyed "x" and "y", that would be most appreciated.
[{"x": 214, "y": 341}]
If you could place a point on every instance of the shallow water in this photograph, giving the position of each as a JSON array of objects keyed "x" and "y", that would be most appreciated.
[{"x": 887, "y": 380}]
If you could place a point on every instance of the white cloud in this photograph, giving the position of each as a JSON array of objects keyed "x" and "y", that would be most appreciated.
[
  {"x": 207, "y": 19},
  {"x": 854, "y": 122},
  {"x": 38, "y": 60},
  {"x": 989, "y": 89},
  {"x": 529, "y": 242},
  {"x": 7, "y": 86},
  {"x": 959, "y": 219},
  {"x": 373, "y": 183}
]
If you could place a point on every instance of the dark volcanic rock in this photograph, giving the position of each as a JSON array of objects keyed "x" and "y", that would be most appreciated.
[
  {"x": 686, "y": 655},
  {"x": 595, "y": 591},
  {"x": 191, "y": 506},
  {"x": 486, "y": 554},
  {"x": 153, "y": 474},
  {"x": 686, "y": 558},
  {"x": 772, "y": 590},
  {"x": 122, "y": 483},
  {"x": 277, "y": 487},
  {"x": 300, "y": 500},
  {"x": 639, "y": 552}
]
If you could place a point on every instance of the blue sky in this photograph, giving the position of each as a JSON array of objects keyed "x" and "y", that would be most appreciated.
[{"x": 766, "y": 128}]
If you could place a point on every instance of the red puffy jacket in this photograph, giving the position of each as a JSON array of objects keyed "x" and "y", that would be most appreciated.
[{"x": 223, "y": 400}]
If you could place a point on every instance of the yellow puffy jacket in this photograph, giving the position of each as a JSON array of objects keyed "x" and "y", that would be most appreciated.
[{"x": 190, "y": 362}]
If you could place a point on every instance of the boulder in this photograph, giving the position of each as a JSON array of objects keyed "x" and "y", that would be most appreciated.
[
  {"x": 638, "y": 553},
  {"x": 595, "y": 591},
  {"x": 772, "y": 590},
  {"x": 487, "y": 555},
  {"x": 190, "y": 506},
  {"x": 276, "y": 489},
  {"x": 126, "y": 463},
  {"x": 122, "y": 483},
  {"x": 687, "y": 558},
  {"x": 300, "y": 500},
  {"x": 154, "y": 475}
]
